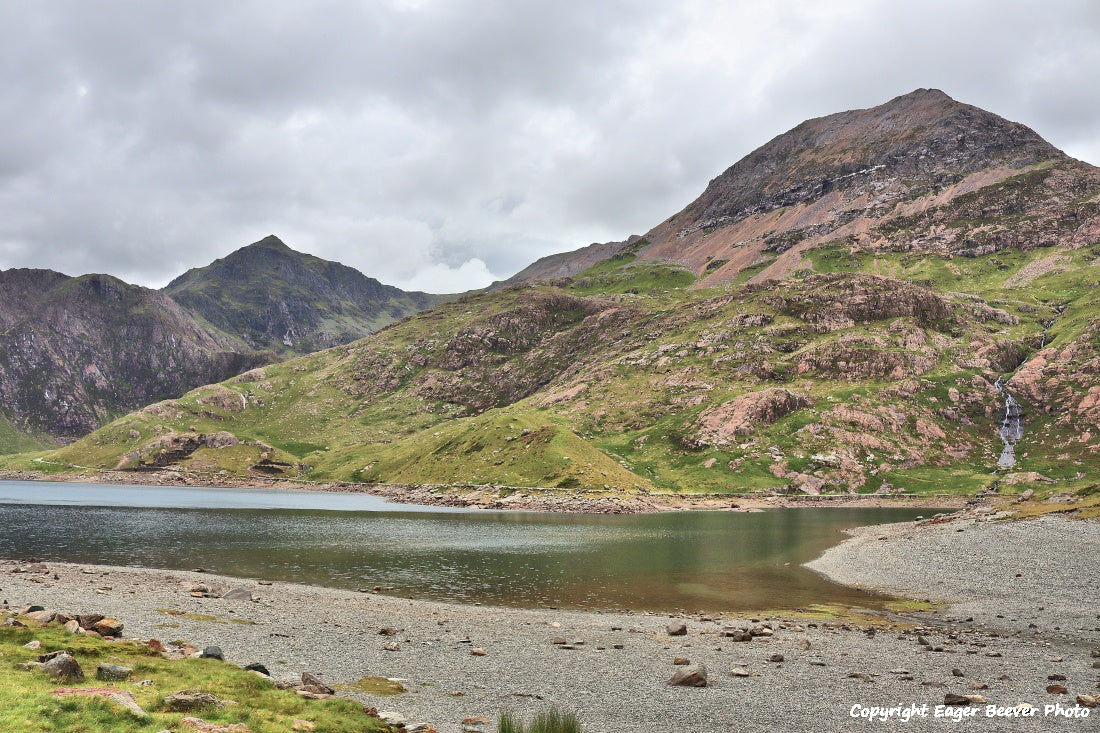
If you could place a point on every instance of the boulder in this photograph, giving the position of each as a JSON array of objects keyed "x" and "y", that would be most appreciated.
[
  {"x": 186, "y": 701},
  {"x": 112, "y": 672},
  {"x": 212, "y": 652},
  {"x": 311, "y": 683},
  {"x": 238, "y": 594},
  {"x": 89, "y": 620},
  {"x": 42, "y": 617},
  {"x": 107, "y": 627},
  {"x": 124, "y": 698},
  {"x": 737, "y": 634},
  {"x": 64, "y": 667},
  {"x": 693, "y": 675}
]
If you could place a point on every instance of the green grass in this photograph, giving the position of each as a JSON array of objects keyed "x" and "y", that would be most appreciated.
[
  {"x": 546, "y": 721},
  {"x": 27, "y": 705}
]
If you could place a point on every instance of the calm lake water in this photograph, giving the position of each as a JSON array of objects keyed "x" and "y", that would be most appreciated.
[{"x": 713, "y": 561}]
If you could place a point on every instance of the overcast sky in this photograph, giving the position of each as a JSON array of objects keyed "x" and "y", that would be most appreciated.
[{"x": 441, "y": 144}]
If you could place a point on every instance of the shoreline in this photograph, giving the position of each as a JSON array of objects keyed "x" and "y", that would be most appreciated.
[
  {"x": 829, "y": 663},
  {"x": 513, "y": 498}
]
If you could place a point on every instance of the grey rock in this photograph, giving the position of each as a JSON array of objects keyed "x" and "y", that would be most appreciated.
[
  {"x": 186, "y": 701},
  {"x": 212, "y": 652},
  {"x": 64, "y": 667},
  {"x": 238, "y": 594},
  {"x": 693, "y": 675},
  {"x": 677, "y": 628},
  {"x": 112, "y": 672},
  {"x": 311, "y": 683}
]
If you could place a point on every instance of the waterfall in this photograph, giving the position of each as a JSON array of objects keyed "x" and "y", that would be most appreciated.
[{"x": 1011, "y": 428}]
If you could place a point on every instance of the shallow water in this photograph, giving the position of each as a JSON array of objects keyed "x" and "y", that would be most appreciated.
[{"x": 713, "y": 561}]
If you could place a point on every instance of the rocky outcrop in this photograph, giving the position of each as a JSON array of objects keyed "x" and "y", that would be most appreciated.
[
  {"x": 172, "y": 448},
  {"x": 743, "y": 415}
]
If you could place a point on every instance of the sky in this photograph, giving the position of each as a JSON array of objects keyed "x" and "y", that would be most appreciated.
[{"x": 439, "y": 145}]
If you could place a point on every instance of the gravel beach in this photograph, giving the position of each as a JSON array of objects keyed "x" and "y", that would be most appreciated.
[{"x": 828, "y": 667}]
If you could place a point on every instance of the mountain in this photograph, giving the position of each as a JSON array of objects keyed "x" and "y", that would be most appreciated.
[
  {"x": 920, "y": 173},
  {"x": 76, "y": 352},
  {"x": 275, "y": 298},
  {"x": 881, "y": 300}
]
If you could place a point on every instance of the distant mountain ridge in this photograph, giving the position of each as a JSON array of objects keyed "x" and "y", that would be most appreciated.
[
  {"x": 76, "y": 352},
  {"x": 275, "y": 298}
]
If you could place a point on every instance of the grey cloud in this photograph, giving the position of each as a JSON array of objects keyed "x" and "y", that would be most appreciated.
[{"x": 436, "y": 141}]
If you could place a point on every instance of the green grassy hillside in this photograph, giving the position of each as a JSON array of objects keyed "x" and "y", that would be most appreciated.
[{"x": 878, "y": 374}]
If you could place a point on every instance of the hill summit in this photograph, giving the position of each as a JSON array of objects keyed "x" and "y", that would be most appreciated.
[{"x": 276, "y": 298}]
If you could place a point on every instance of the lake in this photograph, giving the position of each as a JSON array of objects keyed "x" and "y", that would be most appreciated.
[{"x": 711, "y": 561}]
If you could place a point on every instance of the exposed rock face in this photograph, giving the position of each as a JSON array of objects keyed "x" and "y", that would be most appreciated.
[
  {"x": 75, "y": 352},
  {"x": 742, "y": 415},
  {"x": 289, "y": 302}
]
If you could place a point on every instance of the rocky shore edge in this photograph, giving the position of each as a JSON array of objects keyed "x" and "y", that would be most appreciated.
[{"x": 509, "y": 498}]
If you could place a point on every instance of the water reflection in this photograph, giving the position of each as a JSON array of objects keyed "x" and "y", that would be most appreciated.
[{"x": 692, "y": 560}]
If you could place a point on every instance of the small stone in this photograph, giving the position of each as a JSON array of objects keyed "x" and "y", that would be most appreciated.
[
  {"x": 922, "y": 641},
  {"x": 957, "y": 673},
  {"x": 952, "y": 699},
  {"x": 393, "y": 718},
  {"x": 993, "y": 654},
  {"x": 681, "y": 661},
  {"x": 257, "y": 667},
  {"x": 36, "y": 644},
  {"x": 478, "y": 651},
  {"x": 775, "y": 658},
  {"x": 112, "y": 672},
  {"x": 693, "y": 675},
  {"x": 677, "y": 628},
  {"x": 979, "y": 686},
  {"x": 740, "y": 672},
  {"x": 559, "y": 640},
  {"x": 72, "y": 626},
  {"x": 1057, "y": 689},
  {"x": 860, "y": 676},
  {"x": 387, "y": 631},
  {"x": 1088, "y": 701},
  {"x": 392, "y": 646},
  {"x": 1056, "y": 677}
]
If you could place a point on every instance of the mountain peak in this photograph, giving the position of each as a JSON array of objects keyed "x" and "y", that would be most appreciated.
[
  {"x": 269, "y": 242},
  {"x": 925, "y": 138}
]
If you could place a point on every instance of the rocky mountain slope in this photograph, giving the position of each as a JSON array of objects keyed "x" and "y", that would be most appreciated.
[
  {"x": 914, "y": 300},
  {"x": 77, "y": 352},
  {"x": 277, "y": 299},
  {"x": 920, "y": 173}
]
